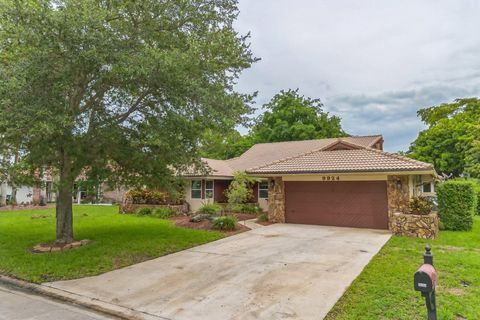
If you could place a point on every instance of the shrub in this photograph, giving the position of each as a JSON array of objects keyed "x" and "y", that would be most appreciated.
[
  {"x": 201, "y": 217},
  {"x": 240, "y": 189},
  {"x": 144, "y": 212},
  {"x": 477, "y": 189},
  {"x": 456, "y": 204},
  {"x": 146, "y": 196},
  {"x": 421, "y": 205},
  {"x": 262, "y": 218},
  {"x": 164, "y": 213},
  {"x": 210, "y": 208},
  {"x": 225, "y": 223},
  {"x": 251, "y": 208},
  {"x": 244, "y": 208}
]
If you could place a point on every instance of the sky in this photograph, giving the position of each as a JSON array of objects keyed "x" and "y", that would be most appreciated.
[{"x": 373, "y": 63}]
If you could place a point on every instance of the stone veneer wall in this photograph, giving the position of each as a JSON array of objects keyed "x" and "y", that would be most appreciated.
[
  {"x": 398, "y": 198},
  {"x": 413, "y": 225},
  {"x": 276, "y": 200}
]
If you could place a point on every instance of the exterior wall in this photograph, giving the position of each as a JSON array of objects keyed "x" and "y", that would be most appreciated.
[
  {"x": 341, "y": 177},
  {"x": 112, "y": 195},
  {"x": 195, "y": 204},
  {"x": 398, "y": 193},
  {"x": 276, "y": 199},
  {"x": 24, "y": 194},
  {"x": 412, "y": 225}
]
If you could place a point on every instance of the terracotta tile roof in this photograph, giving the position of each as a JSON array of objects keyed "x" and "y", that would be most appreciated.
[
  {"x": 264, "y": 153},
  {"x": 218, "y": 168},
  {"x": 357, "y": 160},
  {"x": 314, "y": 156}
]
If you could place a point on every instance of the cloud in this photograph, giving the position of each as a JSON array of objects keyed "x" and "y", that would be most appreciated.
[
  {"x": 374, "y": 63},
  {"x": 393, "y": 113}
]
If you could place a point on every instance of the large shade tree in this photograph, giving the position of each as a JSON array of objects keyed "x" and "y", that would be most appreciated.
[
  {"x": 116, "y": 89},
  {"x": 451, "y": 141},
  {"x": 290, "y": 116}
]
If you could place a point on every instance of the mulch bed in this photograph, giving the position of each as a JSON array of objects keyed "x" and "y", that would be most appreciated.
[
  {"x": 265, "y": 223},
  {"x": 184, "y": 221}
]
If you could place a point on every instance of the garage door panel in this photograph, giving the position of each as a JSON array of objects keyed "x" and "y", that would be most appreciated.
[{"x": 340, "y": 203}]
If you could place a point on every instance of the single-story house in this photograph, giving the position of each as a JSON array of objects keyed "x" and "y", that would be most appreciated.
[
  {"x": 348, "y": 181},
  {"x": 29, "y": 194}
]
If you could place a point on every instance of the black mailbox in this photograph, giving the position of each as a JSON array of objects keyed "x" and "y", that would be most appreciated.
[{"x": 425, "y": 279}]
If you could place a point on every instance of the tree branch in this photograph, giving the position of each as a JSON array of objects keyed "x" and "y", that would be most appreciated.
[{"x": 134, "y": 107}]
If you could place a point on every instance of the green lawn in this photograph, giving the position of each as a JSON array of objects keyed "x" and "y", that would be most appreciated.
[
  {"x": 117, "y": 241},
  {"x": 384, "y": 290}
]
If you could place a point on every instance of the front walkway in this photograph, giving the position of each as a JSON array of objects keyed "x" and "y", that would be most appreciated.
[{"x": 275, "y": 272}]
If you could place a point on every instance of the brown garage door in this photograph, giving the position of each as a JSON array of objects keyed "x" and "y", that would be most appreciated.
[{"x": 341, "y": 203}]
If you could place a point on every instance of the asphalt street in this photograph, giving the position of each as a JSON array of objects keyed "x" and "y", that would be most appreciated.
[{"x": 19, "y": 305}]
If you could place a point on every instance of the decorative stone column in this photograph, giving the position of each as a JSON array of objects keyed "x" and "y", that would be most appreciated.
[
  {"x": 276, "y": 200},
  {"x": 398, "y": 193}
]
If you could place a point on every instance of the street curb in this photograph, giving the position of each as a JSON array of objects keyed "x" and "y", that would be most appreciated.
[{"x": 78, "y": 300}]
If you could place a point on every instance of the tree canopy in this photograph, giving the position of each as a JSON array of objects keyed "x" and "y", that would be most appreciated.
[
  {"x": 288, "y": 116},
  {"x": 451, "y": 141},
  {"x": 118, "y": 90}
]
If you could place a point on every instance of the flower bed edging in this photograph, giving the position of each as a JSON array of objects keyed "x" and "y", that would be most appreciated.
[{"x": 415, "y": 225}]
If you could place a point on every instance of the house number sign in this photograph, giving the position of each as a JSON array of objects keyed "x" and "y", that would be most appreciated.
[{"x": 330, "y": 178}]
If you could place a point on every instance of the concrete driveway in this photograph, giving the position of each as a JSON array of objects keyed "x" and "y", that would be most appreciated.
[{"x": 282, "y": 271}]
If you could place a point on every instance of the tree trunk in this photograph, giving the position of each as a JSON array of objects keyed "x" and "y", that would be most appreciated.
[
  {"x": 64, "y": 210},
  {"x": 13, "y": 198}
]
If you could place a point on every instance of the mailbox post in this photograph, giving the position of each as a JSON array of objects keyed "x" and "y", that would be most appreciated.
[{"x": 425, "y": 281}]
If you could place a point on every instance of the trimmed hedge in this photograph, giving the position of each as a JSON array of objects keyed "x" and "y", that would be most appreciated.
[
  {"x": 456, "y": 204},
  {"x": 477, "y": 189}
]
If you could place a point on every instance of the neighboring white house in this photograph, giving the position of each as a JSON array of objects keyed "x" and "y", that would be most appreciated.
[{"x": 28, "y": 194}]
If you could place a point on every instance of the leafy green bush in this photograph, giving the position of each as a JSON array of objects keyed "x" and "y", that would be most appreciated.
[
  {"x": 146, "y": 196},
  {"x": 251, "y": 208},
  {"x": 262, "y": 218},
  {"x": 477, "y": 191},
  {"x": 240, "y": 189},
  {"x": 201, "y": 217},
  {"x": 456, "y": 204},
  {"x": 144, "y": 212},
  {"x": 164, "y": 213},
  {"x": 244, "y": 208},
  {"x": 210, "y": 208},
  {"x": 421, "y": 205},
  {"x": 225, "y": 223}
]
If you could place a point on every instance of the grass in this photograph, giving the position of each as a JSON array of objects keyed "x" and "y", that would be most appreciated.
[
  {"x": 384, "y": 290},
  {"x": 116, "y": 241}
]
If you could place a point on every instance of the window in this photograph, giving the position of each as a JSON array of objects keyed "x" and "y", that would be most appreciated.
[
  {"x": 427, "y": 187},
  {"x": 263, "y": 190},
  {"x": 196, "y": 189},
  {"x": 209, "y": 189}
]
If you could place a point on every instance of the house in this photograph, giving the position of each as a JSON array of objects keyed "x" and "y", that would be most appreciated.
[
  {"x": 349, "y": 182},
  {"x": 42, "y": 193}
]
